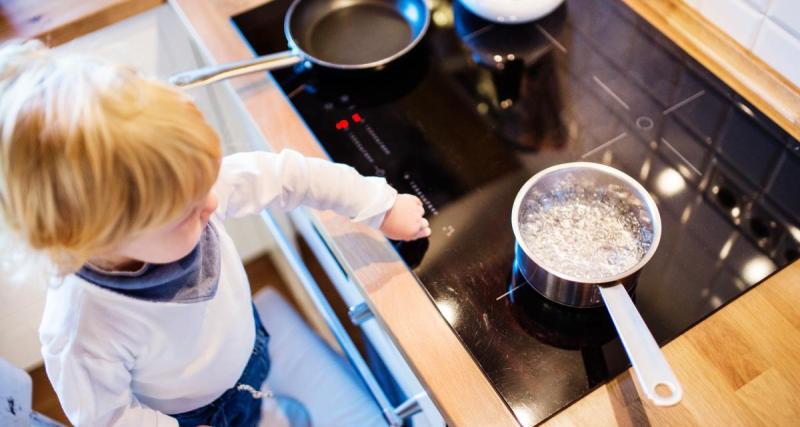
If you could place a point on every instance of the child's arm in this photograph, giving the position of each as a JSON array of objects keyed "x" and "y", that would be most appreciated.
[
  {"x": 96, "y": 391},
  {"x": 250, "y": 182}
]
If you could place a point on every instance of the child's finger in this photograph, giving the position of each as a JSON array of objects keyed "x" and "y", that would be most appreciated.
[{"x": 425, "y": 232}]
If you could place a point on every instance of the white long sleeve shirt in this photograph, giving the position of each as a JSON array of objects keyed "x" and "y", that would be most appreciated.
[{"x": 116, "y": 360}]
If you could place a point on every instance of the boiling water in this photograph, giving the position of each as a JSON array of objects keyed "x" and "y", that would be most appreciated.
[{"x": 588, "y": 233}]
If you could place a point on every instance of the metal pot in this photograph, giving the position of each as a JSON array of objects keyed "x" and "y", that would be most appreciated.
[
  {"x": 511, "y": 11},
  {"x": 654, "y": 374}
]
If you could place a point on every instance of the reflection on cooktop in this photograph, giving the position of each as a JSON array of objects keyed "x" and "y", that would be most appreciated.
[{"x": 468, "y": 116}]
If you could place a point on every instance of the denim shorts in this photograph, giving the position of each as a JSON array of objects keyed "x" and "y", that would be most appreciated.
[{"x": 240, "y": 405}]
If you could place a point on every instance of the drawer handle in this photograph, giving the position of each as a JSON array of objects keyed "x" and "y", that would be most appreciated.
[
  {"x": 411, "y": 406},
  {"x": 359, "y": 313}
]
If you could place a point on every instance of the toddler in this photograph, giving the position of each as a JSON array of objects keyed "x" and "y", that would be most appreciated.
[{"x": 119, "y": 180}]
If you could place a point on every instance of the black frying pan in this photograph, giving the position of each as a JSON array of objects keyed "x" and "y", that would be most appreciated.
[{"x": 336, "y": 34}]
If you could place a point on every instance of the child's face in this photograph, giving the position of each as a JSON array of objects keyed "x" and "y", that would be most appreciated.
[{"x": 172, "y": 241}]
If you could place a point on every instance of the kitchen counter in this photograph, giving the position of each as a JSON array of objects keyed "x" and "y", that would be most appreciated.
[
  {"x": 56, "y": 22},
  {"x": 739, "y": 366}
]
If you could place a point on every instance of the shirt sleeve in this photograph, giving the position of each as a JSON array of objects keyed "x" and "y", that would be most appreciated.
[
  {"x": 252, "y": 181},
  {"x": 95, "y": 391}
]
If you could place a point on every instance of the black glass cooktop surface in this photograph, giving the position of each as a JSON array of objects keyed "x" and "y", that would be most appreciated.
[{"x": 477, "y": 108}]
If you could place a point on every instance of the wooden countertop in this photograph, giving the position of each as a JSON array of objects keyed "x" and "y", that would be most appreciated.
[
  {"x": 56, "y": 22},
  {"x": 738, "y": 367}
]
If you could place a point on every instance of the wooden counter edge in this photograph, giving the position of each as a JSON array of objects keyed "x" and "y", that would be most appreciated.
[
  {"x": 739, "y": 68},
  {"x": 57, "y": 26}
]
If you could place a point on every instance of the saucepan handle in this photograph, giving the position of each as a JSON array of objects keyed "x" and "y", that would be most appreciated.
[
  {"x": 215, "y": 73},
  {"x": 652, "y": 370}
]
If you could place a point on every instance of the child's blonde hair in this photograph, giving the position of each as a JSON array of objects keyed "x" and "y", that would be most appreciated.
[{"x": 93, "y": 153}]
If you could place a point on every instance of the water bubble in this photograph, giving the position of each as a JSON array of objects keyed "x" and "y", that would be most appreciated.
[{"x": 588, "y": 232}]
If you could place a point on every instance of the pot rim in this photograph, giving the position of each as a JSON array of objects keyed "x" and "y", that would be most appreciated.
[{"x": 632, "y": 184}]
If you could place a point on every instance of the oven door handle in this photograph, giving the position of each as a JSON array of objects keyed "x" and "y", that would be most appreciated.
[{"x": 344, "y": 340}]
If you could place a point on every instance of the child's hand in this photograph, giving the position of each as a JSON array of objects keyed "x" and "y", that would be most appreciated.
[{"x": 404, "y": 220}]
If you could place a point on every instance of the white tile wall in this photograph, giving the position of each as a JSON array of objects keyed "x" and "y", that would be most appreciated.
[
  {"x": 786, "y": 13},
  {"x": 737, "y": 17},
  {"x": 779, "y": 48},
  {"x": 759, "y": 5},
  {"x": 768, "y": 28}
]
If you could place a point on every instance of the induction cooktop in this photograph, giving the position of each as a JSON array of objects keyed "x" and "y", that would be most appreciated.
[{"x": 478, "y": 107}]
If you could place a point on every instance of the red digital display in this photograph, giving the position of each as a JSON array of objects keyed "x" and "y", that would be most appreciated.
[
  {"x": 342, "y": 125},
  {"x": 356, "y": 118}
]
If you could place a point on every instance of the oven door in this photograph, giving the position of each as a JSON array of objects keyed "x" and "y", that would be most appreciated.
[{"x": 385, "y": 373}]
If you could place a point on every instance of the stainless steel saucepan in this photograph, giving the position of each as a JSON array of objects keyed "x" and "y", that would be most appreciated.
[
  {"x": 584, "y": 231},
  {"x": 335, "y": 34}
]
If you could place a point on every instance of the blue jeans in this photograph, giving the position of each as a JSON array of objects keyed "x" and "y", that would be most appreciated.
[{"x": 237, "y": 407}]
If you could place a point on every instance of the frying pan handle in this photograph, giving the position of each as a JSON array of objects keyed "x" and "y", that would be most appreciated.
[
  {"x": 215, "y": 73},
  {"x": 652, "y": 369}
]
